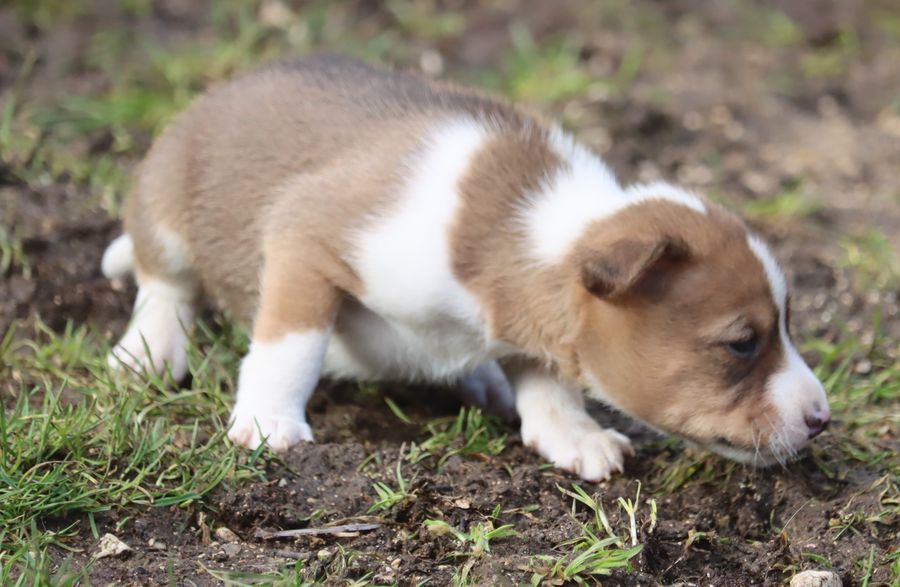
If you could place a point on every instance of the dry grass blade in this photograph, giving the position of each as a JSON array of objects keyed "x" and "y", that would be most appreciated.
[{"x": 341, "y": 530}]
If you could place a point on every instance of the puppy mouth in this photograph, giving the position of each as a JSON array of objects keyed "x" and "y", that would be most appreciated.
[{"x": 755, "y": 456}]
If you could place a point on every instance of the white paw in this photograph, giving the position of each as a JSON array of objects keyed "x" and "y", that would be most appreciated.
[
  {"x": 579, "y": 445},
  {"x": 280, "y": 431},
  {"x": 156, "y": 337},
  {"x": 488, "y": 387},
  {"x": 152, "y": 355}
]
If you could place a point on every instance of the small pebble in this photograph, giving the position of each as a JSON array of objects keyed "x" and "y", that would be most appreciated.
[
  {"x": 431, "y": 62},
  {"x": 231, "y": 550},
  {"x": 693, "y": 121},
  {"x": 324, "y": 554},
  {"x": 110, "y": 545},
  {"x": 226, "y": 535},
  {"x": 816, "y": 579},
  {"x": 863, "y": 367}
]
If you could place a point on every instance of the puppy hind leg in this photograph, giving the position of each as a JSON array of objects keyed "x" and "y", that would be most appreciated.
[
  {"x": 118, "y": 258},
  {"x": 157, "y": 335},
  {"x": 488, "y": 387},
  {"x": 164, "y": 310}
]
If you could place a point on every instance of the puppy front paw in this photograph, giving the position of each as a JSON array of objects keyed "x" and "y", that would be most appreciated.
[
  {"x": 250, "y": 428},
  {"x": 580, "y": 446}
]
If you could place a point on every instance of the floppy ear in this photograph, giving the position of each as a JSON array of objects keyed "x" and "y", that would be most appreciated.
[{"x": 624, "y": 263}]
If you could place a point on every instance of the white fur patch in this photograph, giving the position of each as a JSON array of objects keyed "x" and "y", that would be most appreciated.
[
  {"x": 777, "y": 281},
  {"x": 583, "y": 191},
  {"x": 157, "y": 334},
  {"x": 405, "y": 260},
  {"x": 795, "y": 390},
  {"x": 176, "y": 256},
  {"x": 572, "y": 198},
  {"x": 641, "y": 192},
  {"x": 118, "y": 258},
  {"x": 275, "y": 382},
  {"x": 416, "y": 320}
]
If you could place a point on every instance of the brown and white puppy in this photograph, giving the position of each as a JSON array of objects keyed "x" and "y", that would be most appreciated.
[{"x": 374, "y": 225}]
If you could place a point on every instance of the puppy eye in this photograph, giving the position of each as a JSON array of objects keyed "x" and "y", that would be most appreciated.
[{"x": 744, "y": 348}]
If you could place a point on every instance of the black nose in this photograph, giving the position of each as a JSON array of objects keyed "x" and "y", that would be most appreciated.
[{"x": 817, "y": 421}]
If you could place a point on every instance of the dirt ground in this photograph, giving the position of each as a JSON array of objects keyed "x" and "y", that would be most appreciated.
[{"x": 799, "y": 129}]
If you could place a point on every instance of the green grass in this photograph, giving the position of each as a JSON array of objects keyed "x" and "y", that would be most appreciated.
[
  {"x": 791, "y": 203},
  {"x": 388, "y": 497},
  {"x": 426, "y": 20},
  {"x": 866, "y": 405},
  {"x": 302, "y": 573},
  {"x": 471, "y": 432},
  {"x": 44, "y": 13},
  {"x": 541, "y": 73},
  {"x": 598, "y": 550},
  {"x": 475, "y": 541},
  {"x": 833, "y": 60},
  {"x": 78, "y": 439},
  {"x": 874, "y": 262},
  {"x": 32, "y": 564},
  {"x": 12, "y": 252}
]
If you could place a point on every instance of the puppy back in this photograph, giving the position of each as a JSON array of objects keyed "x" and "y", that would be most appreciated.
[{"x": 245, "y": 146}]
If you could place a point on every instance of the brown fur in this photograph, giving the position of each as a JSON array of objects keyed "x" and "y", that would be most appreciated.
[
  {"x": 267, "y": 179},
  {"x": 641, "y": 300},
  {"x": 253, "y": 157},
  {"x": 488, "y": 248},
  {"x": 667, "y": 362}
]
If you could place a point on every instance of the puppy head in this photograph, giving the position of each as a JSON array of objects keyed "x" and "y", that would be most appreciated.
[{"x": 685, "y": 325}]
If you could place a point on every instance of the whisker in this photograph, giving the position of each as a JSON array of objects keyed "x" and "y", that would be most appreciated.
[
  {"x": 756, "y": 442},
  {"x": 777, "y": 444}
]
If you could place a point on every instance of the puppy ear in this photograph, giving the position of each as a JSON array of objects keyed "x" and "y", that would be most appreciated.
[{"x": 621, "y": 265}]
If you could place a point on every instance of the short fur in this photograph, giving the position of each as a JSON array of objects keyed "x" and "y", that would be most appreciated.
[{"x": 377, "y": 225}]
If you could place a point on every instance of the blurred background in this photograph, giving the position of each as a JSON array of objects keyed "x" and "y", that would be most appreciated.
[{"x": 786, "y": 110}]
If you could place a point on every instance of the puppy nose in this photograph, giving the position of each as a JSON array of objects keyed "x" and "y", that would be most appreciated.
[{"x": 817, "y": 421}]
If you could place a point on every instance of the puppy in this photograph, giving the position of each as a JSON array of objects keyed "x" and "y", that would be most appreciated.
[{"x": 373, "y": 225}]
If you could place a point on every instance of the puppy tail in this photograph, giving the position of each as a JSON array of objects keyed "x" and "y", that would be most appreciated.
[{"x": 118, "y": 259}]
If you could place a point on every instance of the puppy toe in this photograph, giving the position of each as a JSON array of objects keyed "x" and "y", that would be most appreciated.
[
  {"x": 288, "y": 433},
  {"x": 601, "y": 456},
  {"x": 249, "y": 430},
  {"x": 243, "y": 435}
]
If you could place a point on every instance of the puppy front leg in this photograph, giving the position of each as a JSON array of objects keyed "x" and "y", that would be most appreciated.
[
  {"x": 555, "y": 423},
  {"x": 279, "y": 374}
]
